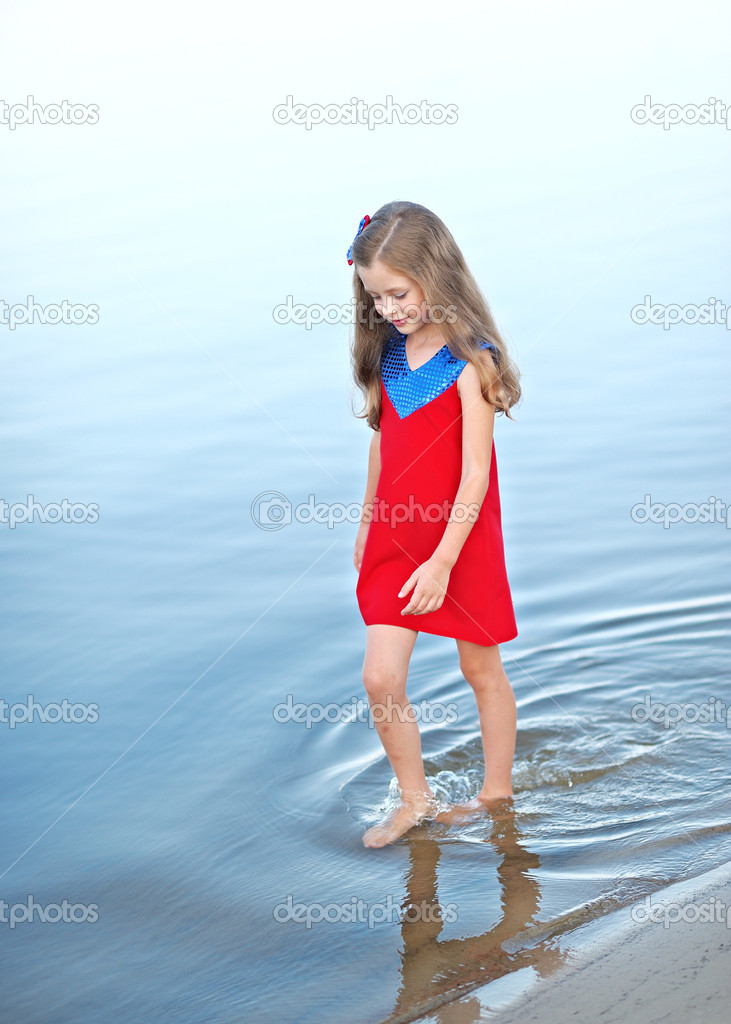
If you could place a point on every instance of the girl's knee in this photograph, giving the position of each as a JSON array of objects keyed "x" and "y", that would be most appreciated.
[
  {"x": 381, "y": 683},
  {"x": 483, "y": 677}
]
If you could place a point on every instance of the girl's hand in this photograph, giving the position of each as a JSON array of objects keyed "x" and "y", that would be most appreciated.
[
  {"x": 429, "y": 582},
  {"x": 360, "y": 545}
]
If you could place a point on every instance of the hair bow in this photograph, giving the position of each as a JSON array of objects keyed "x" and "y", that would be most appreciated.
[{"x": 364, "y": 221}]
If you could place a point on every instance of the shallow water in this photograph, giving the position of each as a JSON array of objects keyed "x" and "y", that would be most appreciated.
[{"x": 187, "y": 813}]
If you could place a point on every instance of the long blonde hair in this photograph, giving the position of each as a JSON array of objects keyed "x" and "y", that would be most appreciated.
[{"x": 412, "y": 240}]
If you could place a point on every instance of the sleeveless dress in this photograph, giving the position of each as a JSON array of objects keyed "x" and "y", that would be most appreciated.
[{"x": 421, "y": 466}]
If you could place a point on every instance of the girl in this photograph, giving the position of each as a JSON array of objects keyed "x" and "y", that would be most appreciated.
[{"x": 433, "y": 369}]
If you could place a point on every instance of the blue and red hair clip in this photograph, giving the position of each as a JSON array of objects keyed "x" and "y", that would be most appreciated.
[{"x": 364, "y": 221}]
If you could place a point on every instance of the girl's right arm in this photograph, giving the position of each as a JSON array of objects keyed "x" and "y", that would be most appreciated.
[{"x": 374, "y": 471}]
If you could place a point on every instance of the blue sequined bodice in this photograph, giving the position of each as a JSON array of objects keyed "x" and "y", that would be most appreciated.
[{"x": 409, "y": 389}]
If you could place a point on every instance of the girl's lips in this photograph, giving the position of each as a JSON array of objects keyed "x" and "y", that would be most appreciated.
[{"x": 397, "y": 323}]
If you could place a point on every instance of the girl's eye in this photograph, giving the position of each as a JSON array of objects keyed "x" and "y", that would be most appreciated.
[{"x": 377, "y": 298}]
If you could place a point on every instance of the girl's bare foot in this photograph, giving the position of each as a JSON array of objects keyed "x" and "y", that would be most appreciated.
[
  {"x": 496, "y": 806},
  {"x": 415, "y": 806}
]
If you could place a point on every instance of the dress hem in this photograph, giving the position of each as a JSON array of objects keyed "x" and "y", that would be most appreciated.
[{"x": 451, "y": 636}]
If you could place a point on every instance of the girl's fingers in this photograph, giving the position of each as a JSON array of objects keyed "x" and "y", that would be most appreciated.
[
  {"x": 408, "y": 585},
  {"x": 424, "y": 604},
  {"x": 420, "y": 604},
  {"x": 412, "y": 607},
  {"x": 424, "y": 598}
]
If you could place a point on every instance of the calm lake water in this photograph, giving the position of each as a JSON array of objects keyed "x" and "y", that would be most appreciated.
[{"x": 182, "y": 810}]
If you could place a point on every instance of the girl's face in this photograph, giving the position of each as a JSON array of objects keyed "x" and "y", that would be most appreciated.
[{"x": 396, "y": 297}]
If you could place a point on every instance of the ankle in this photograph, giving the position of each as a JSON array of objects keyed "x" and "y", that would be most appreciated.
[{"x": 421, "y": 798}]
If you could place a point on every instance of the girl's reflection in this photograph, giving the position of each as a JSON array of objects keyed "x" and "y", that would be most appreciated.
[{"x": 434, "y": 972}]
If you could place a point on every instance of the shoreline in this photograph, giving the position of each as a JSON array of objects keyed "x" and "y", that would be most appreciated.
[{"x": 673, "y": 968}]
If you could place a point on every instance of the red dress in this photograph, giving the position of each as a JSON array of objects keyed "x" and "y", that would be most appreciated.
[{"x": 421, "y": 466}]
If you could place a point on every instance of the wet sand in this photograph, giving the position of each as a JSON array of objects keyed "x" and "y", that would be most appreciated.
[{"x": 620, "y": 970}]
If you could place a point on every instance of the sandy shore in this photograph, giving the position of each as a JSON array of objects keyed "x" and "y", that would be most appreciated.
[{"x": 672, "y": 969}]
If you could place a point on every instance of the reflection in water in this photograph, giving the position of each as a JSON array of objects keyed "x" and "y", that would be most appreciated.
[{"x": 435, "y": 972}]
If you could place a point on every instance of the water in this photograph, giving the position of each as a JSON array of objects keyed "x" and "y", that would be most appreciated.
[{"x": 187, "y": 814}]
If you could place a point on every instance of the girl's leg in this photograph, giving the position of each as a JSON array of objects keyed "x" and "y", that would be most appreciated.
[
  {"x": 385, "y": 668},
  {"x": 483, "y": 670}
]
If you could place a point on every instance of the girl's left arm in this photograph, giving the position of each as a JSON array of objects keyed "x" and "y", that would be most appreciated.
[{"x": 429, "y": 580}]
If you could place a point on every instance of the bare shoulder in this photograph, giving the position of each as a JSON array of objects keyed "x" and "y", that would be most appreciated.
[{"x": 468, "y": 382}]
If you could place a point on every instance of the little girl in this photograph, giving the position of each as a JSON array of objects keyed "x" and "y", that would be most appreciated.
[{"x": 433, "y": 369}]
